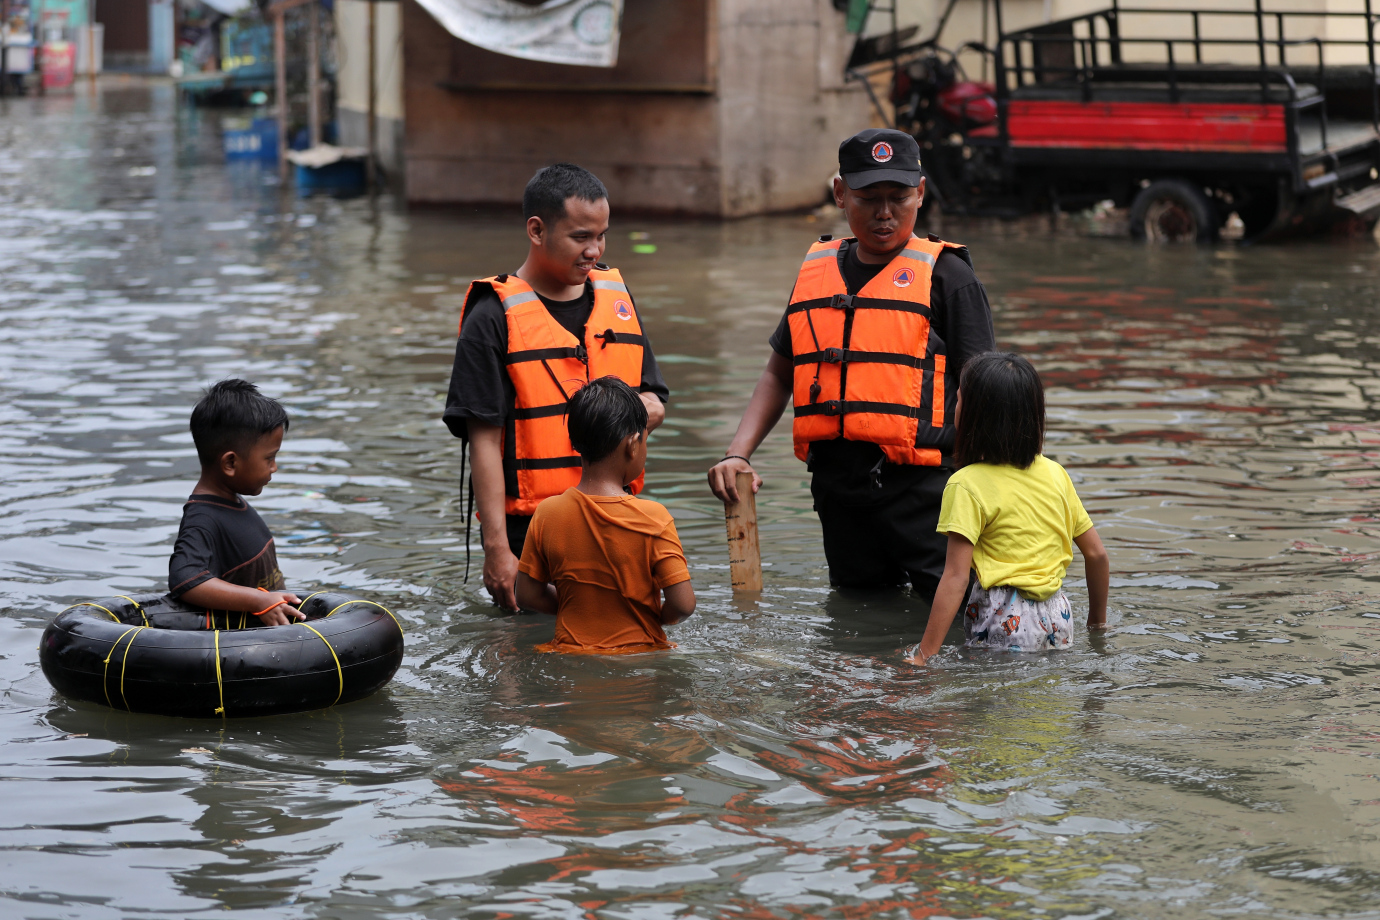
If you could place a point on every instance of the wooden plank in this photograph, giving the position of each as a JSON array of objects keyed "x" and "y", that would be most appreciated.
[
  {"x": 1362, "y": 203},
  {"x": 313, "y": 76},
  {"x": 744, "y": 552},
  {"x": 280, "y": 90},
  {"x": 372, "y": 162}
]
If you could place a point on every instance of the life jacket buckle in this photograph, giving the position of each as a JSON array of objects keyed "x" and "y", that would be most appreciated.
[
  {"x": 833, "y": 407},
  {"x": 608, "y": 335},
  {"x": 833, "y": 355},
  {"x": 581, "y": 353},
  {"x": 841, "y": 301}
]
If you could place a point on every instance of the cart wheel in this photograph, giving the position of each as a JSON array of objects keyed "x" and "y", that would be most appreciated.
[{"x": 1173, "y": 211}]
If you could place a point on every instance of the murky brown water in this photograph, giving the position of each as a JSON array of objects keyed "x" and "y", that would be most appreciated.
[{"x": 1214, "y": 754}]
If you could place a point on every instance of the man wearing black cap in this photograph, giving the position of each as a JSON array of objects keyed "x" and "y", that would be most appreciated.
[{"x": 869, "y": 352}]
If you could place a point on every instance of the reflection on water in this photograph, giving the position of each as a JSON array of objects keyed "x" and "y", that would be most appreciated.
[{"x": 1215, "y": 753}]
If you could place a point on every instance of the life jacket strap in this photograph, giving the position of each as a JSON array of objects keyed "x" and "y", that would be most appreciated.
[
  {"x": 544, "y": 354},
  {"x": 836, "y": 407},
  {"x": 469, "y": 506},
  {"x": 540, "y": 411},
  {"x": 546, "y": 463},
  {"x": 853, "y": 356},
  {"x": 610, "y": 337},
  {"x": 849, "y": 302}
]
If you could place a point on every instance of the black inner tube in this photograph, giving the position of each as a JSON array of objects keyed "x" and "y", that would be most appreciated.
[{"x": 154, "y": 654}]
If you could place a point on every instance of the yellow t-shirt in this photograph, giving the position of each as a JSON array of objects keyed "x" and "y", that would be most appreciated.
[{"x": 1021, "y": 523}]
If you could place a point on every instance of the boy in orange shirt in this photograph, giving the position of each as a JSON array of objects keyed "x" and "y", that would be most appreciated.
[{"x": 596, "y": 557}]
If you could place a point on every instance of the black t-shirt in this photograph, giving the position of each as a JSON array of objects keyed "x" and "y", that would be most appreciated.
[
  {"x": 857, "y": 273},
  {"x": 224, "y": 539},
  {"x": 480, "y": 387},
  {"x": 961, "y": 316}
]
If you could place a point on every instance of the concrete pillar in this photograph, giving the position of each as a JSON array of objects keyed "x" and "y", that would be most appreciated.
[
  {"x": 161, "y": 39},
  {"x": 352, "y": 82}
]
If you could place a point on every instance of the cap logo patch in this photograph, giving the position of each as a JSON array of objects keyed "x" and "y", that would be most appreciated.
[
  {"x": 623, "y": 310},
  {"x": 903, "y": 277},
  {"x": 881, "y": 151}
]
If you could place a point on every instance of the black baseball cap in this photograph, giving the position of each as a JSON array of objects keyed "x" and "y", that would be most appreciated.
[{"x": 880, "y": 155}]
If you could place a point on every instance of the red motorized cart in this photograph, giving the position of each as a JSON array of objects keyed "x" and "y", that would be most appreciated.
[{"x": 1189, "y": 117}]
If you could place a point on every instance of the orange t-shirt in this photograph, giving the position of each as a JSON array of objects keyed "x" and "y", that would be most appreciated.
[{"x": 609, "y": 556}]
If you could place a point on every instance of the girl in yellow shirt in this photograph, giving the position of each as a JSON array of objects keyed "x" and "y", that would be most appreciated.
[{"x": 1012, "y": 516}]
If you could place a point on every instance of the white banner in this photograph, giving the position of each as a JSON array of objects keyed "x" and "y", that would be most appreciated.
[
  {"x": 583, "y": 32},
  {"x": 228, "y": 7}
]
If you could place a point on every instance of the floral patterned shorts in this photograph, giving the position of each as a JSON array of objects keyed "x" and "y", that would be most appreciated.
[{"x": 1000, "y": 618}]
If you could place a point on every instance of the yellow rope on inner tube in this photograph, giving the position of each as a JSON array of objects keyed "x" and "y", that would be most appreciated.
[
  {"x": 307, "y": 598},
  {"x": 124, "y": 663},
  {"x": 220, "y": 687},
  {"x": 105, "y": 673},
  {"x": 87, "y": 604},
  {"x": 340, "y": 672},
  {"x": 136, "y": 607},
  {"x": 370, "y": 603}
]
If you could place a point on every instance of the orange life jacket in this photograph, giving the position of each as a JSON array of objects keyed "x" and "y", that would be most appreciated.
[
  {"x": 547, "y": 365},
  {"x": 869, "y": 366}
]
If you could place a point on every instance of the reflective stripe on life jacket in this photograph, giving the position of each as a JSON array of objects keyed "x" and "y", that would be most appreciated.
[
  {"x": 547, "y": 365},
  {"x": 869, "y": 367}
]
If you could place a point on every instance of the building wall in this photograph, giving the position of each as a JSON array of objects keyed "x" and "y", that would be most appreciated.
[
  {"x": 783, "y": 104},
  {"x": 352, "y": 87},
  {"x": 757, "y": 131},
  {"x": 126, "y": 42},
  {"x": 655, "y": 151}
]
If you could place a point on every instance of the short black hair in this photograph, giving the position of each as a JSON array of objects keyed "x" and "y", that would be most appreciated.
[
  {"x": 232, "y": 415},
  {"x": 601, "y": 414},
  {"x": 547, "y": 191},
  {"x": 1003, "y": 416}
]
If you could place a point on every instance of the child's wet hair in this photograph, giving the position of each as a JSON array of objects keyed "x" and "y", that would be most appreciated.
[
  {"x": 231, "y": 416},
  {"x": 601, "y": 414},
  {"x": 1003, "y": 415}
]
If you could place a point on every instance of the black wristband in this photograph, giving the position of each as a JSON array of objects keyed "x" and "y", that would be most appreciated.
[{"x": 735, "y": 457}]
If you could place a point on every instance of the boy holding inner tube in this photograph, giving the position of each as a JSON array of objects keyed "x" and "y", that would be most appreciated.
[{"x": 224, "y": 559}]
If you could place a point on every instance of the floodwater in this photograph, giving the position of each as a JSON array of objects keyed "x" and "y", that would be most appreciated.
[{"x": 1215, "y": 754}]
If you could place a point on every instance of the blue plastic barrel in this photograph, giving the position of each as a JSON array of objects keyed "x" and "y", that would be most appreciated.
[
  {"x": 340, "y": 176},
  {"x": 260, "y": 142}
]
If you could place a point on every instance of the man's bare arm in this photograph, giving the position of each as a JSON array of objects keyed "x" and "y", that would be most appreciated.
[
  {"x": 769, "y": 399},
  {"x": 656, "y": 410},
  {"x": 486, "y": 460}
]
